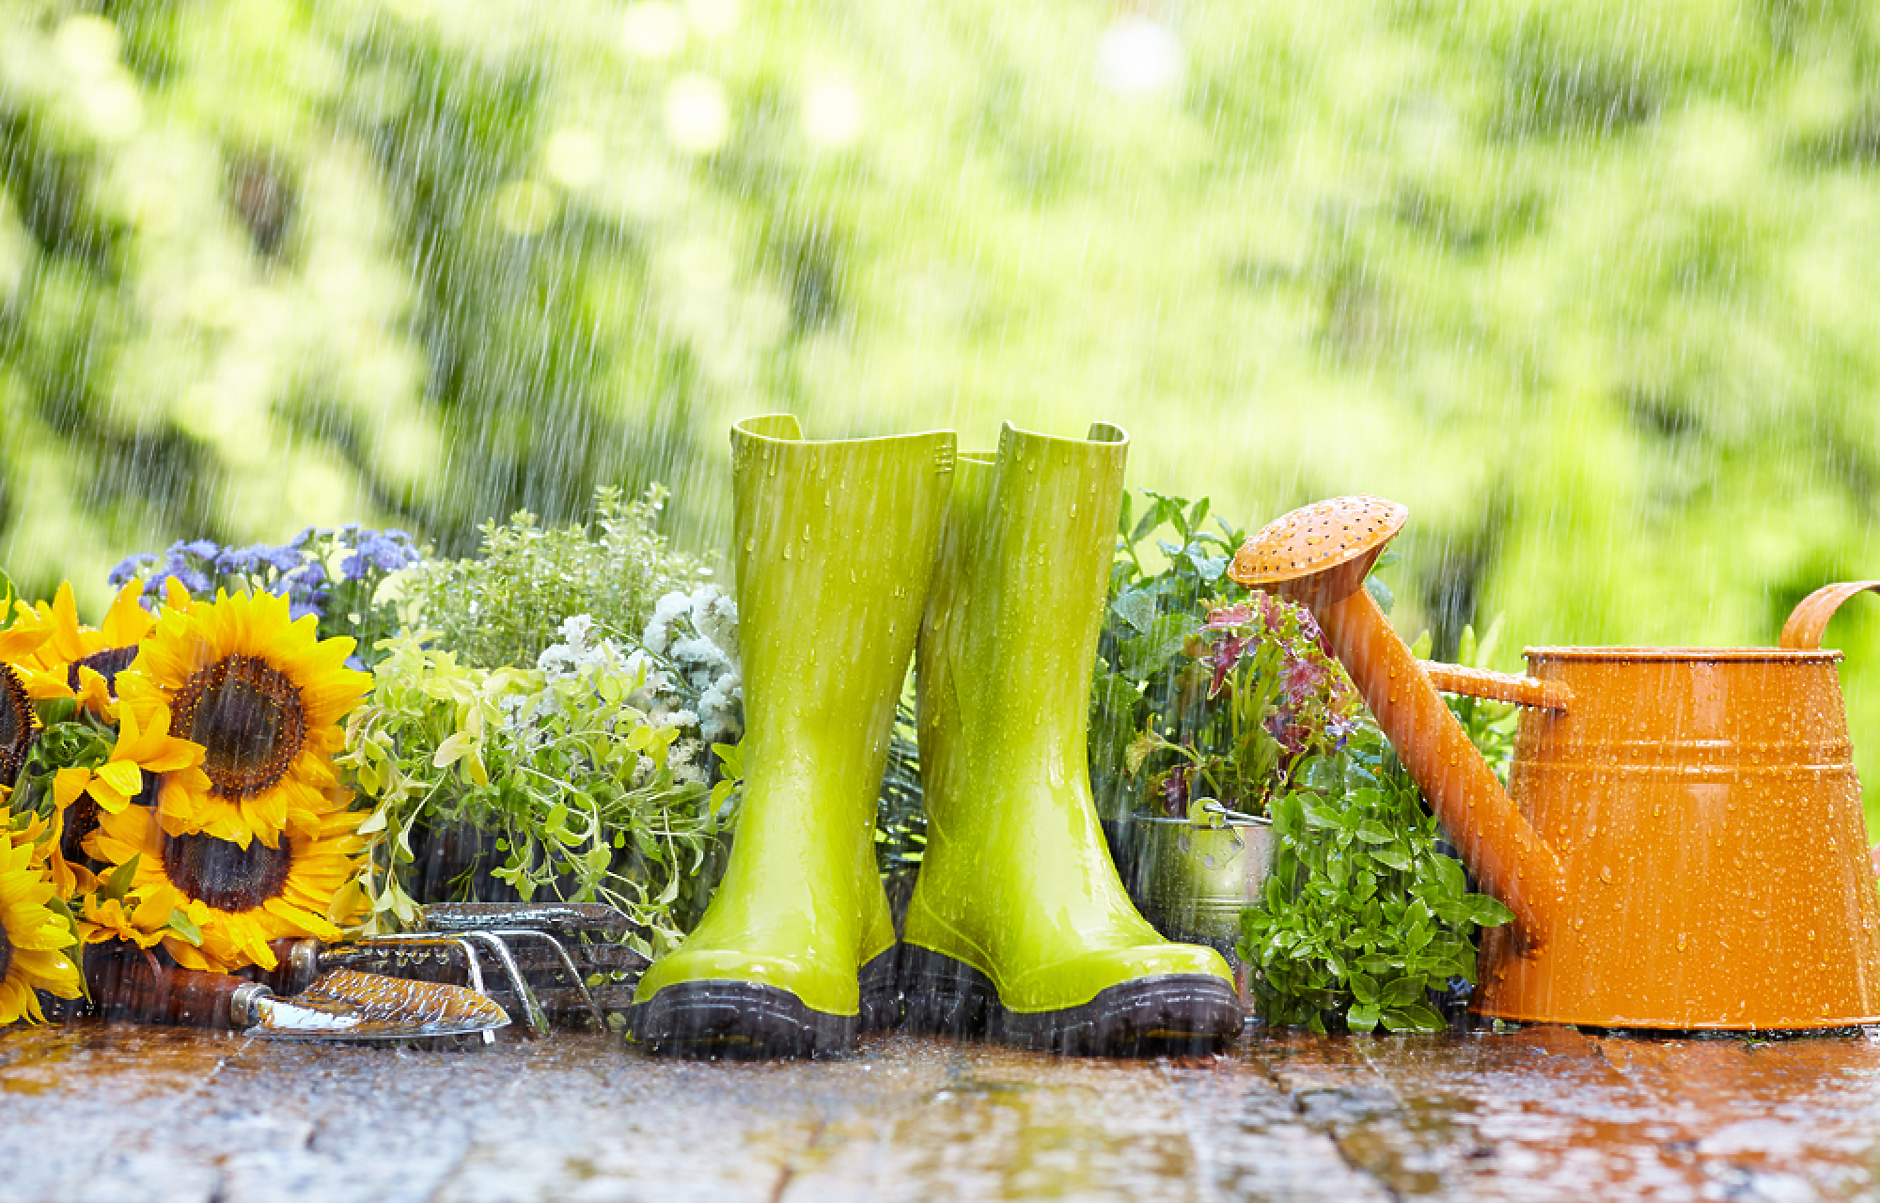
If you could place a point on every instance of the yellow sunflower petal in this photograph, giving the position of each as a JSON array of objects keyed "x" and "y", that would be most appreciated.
[
  {"x": 187, "y": 955},
  {"x": 35, "y": 936},
  {"x": 94, "y": 693},
  {"x": 22, "y": 639},
  {"x": 17, "y": 1002},
  {"x": 122, "y": 780},
  {"x": 126, "y": 622},
  {"x": 69, "y": 784},
  {"x": 67, "y": 642},
  {"x": 175, "y": 596}
]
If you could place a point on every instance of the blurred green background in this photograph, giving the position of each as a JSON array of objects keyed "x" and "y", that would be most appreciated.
[{"x": 1590, "y": 286}]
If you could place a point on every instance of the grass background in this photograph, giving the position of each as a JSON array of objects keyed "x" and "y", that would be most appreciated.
[{"x": 1590, "y": 286}]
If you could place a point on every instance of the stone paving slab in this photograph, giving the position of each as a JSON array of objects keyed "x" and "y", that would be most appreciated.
[{"x": 89, "y": 1112}]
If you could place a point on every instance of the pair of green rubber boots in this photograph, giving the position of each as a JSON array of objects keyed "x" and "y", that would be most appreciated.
[{"x": 849, "y": 554}]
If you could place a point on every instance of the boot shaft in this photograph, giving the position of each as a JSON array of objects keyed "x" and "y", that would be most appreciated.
[
  {"x": 1017, "y": 605},
  {"x": 835, "y": 546}
]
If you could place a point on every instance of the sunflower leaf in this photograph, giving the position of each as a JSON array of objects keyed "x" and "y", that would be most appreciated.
[
  {"x": 119, "y": 883},
  {"x": 180, "y": 923}
]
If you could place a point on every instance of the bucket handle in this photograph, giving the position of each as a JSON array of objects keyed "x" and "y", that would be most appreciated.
[
  {"x": 1211, "y": 813},
  {"x": 1500, "y": 687},
  {"x": 1802, "y": 632}
]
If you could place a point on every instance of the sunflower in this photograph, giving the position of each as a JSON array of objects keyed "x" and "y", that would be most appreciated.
[
  {"x": 33, "y": 939},
  {"x": 238, "y": 898},
  {"x": 80, "y": 661},
  {"x": 263, "y": 695},
  {"x": 104, "y": 920},
  {"x": 18, "y": 724},
  {"x": 144, "y": 752}
]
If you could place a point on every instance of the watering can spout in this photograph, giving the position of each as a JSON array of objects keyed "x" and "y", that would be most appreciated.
[{"x": 1318, "y": 557}]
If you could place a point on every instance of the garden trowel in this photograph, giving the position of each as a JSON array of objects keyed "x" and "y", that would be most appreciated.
[
  {"x": 341, "y": 1005},
  {"x": 550, "y": 962}
]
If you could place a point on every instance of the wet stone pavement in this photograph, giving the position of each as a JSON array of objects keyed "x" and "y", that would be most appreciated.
[{"x": 126, "y": 1114}]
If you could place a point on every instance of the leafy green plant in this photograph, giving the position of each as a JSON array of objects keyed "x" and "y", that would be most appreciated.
[
  {"x": 562, "y": 773},
  {"x": 506, "y": 605},
  {"x": 1207, "y": 691},
  {"x": 900, "y": 807},
  {"x": 1202, "y": 688},
  {"x": 1361, "y": 919},
  {"x": 1143, "y": 669}
]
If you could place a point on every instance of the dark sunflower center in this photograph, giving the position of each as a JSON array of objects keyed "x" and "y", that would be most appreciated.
[
  {"x": 6, "y": 952},
  {"x": 107, "y": 664},
  {"x": 225, "y": 875},
  {"x": 248, "y": 717},
  {"x": 16, "y": 724},
  {"x": 81, "y": 819}
]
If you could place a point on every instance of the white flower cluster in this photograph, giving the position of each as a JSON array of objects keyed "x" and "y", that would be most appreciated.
[
  {"x": 577, "y": 653},
  {"x": 684, "y": 677},
  {"x": 697, "y": 633},
  {"x": 650, "y": 690}
]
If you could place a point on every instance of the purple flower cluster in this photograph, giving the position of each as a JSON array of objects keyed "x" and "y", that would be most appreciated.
[
  {"x": 1315, "y": 702},
  {"x": 297, "y": 569},
  {"x": 387, "y": 551}
]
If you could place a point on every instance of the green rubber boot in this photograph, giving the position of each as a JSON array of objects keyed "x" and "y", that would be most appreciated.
[
  {"x": 1019, "y": 926},
  {"x": 836, "y": 544}
]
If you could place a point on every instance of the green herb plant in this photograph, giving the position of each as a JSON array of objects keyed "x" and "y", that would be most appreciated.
[
  {"x": 1362, "y": 918},
  {"x": 579, "y": 790},
  {"x": 505, "y": 606}
]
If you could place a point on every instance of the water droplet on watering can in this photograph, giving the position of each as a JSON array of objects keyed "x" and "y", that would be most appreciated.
[
  {"x": 787, "y": 553},
  {"x": 1680, "y": 941},
  {"x": 1605, "y": 873}
]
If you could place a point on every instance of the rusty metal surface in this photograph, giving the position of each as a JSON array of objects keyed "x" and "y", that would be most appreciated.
[{"x": 94, "y": 1112}]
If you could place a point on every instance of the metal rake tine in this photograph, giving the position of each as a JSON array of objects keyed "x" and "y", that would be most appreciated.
[
  {"x": 567, "y": 962},
  {"x": 476, "y": 978},
  {"x": 532, "y": 1007}
]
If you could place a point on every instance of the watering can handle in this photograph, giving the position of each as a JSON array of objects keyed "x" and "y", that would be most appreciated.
[
  {"x": 1802, "y": 632},
  {"x": 1502, "y": 687}
]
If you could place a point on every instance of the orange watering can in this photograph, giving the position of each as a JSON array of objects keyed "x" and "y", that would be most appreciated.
[{"x": 1681, "y": 840}]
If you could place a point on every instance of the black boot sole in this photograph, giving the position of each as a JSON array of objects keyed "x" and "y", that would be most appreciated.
[
  {"x": 745, "y": 1021},
  {"x": 1171, "y": 1015}
]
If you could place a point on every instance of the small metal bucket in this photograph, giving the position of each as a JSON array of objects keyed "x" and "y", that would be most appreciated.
[{"x": 1191, "y": 877}]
